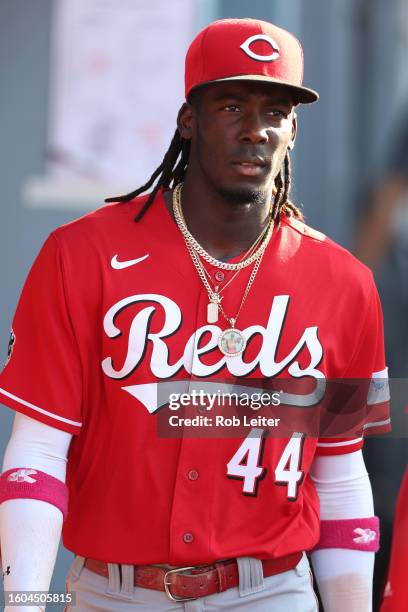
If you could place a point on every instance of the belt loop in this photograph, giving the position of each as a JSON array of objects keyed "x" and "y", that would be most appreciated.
[
  {"x": 128, "y": 577},
  {"x": 113, "y": 579},
  {"x": 303, "y": 566},
  {"x": 76, "y": 568},
  {"x": 251, "y": 578}
]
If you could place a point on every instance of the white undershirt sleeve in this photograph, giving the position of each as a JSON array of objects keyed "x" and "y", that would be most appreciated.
[
  {"x": 30, "y": 529},
  {"x": 344, "y": 577}
]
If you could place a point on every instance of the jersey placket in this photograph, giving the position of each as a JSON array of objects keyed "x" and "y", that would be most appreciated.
[{"x": 191, "y": 521}]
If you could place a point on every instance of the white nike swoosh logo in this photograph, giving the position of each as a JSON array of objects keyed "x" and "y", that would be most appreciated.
[{"x": 120, "y": 265}]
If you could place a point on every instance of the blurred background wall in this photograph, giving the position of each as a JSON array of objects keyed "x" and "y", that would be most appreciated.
[{"x": 355, "y": 53}]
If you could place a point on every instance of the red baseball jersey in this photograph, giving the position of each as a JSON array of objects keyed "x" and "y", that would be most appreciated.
[{"x": 112, "y": 310}]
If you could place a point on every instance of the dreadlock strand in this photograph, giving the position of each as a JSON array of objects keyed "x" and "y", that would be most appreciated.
[
  {"x": 180, "y": 170},
  {"x": 288, "y": 207},
  {"x": 170, "y": 159},
  {"x": 288, "y": 179},
  {"x": 163, "y": 171},
  {"x": 292, "y": 210},
  {"x": 129, "y": 196},
  {"x": 148, "y": 202},
  {"x": 169, "y": 174},
  {"x": 277, "y": 198}
]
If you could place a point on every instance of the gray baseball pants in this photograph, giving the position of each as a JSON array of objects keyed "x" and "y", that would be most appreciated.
[{"x": 290, "y": 591}]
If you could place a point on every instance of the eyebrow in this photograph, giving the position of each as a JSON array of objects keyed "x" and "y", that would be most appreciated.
[{"x": 241, "y": 98}]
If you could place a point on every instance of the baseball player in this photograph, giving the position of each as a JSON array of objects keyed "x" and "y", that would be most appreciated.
[{"x": 209, "y": 275}]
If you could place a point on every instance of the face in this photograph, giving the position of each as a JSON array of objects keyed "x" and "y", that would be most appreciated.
[{"x": 239, "y": 133}]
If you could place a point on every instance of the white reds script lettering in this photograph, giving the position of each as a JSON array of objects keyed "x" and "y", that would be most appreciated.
[{"x": 139, "y": 335}]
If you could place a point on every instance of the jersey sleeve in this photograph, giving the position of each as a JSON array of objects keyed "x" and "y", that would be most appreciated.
[
  {"x": 42, "y": 377},
  {"x": 368, "y": 374}
]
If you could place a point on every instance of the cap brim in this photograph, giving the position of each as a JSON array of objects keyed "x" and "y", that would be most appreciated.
[{"x": 302, "y": 95}]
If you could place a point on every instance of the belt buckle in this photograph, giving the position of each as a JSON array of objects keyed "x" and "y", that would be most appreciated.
[{"x": 177, "y": 570}]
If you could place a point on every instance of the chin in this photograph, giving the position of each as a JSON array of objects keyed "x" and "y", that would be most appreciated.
[{"x": 243, "y": 194}]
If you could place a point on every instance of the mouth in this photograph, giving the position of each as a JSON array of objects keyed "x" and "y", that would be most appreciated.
[{"x": 251, "y": 167}]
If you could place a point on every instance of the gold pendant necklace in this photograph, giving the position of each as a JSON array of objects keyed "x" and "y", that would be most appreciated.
[
  {"x": 231, "y": 341},
  {"x": 214, "y": 296},
  {"x": 213, "y": 307}
]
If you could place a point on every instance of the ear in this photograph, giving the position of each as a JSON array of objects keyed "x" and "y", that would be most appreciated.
[
  {"x": 294, "y": 132},
  {"x": 185, "y": 119}
]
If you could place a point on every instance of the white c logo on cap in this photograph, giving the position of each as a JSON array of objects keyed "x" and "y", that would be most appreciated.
[{"x": 261, "y": 58}]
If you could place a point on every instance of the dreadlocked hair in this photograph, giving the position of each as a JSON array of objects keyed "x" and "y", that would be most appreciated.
[
  {"x": 282, "y": 205},
  {"x": 170, "y": 173}
]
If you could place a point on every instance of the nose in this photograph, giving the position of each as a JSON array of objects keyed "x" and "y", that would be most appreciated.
[{"x": 253, "y": 129}]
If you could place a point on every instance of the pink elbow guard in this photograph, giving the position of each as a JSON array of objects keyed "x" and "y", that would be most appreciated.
[
  {"x": 356, "y": 534},
  {"x": 27, "y": 483}
]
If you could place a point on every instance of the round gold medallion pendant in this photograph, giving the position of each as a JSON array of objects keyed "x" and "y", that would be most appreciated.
[{"x": 231, "y": 342}]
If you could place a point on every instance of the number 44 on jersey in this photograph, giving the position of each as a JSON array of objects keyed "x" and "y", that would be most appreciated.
[{"x": 246, "y": 464}]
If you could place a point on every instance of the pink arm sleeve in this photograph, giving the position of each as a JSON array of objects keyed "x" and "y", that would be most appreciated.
[{"x": 30, "y": 529}]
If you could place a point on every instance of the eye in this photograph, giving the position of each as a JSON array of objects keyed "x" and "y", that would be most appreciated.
[
  {"x": 231, "y": 108},
  {"x": 277, "y": 112}
]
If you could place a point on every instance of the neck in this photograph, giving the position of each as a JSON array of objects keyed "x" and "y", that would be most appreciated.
[{"x": 223, "y": 228}]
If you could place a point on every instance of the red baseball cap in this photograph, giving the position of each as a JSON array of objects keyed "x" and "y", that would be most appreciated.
[{"x": 249, "y": 50}]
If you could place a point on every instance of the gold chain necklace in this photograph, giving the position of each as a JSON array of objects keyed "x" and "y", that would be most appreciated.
[
  {"x": 189, "y": 238},
  {"x": 231, "y": 341},
  {"x": 218, "y": 289}
]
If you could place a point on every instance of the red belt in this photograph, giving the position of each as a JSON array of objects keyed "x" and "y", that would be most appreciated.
[{"x": 200, "y": 581}]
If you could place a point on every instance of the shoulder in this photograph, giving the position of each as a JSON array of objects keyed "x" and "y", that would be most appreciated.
[
  {"x": 110, "y": 228},
  {"x": 103, "y": 220},
  {"x": 325, "y": 257},
  {"x": 92, "y": 240}
]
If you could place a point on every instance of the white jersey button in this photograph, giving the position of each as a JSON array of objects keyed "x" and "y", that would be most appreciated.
[{"x": 193, "y": 474}]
